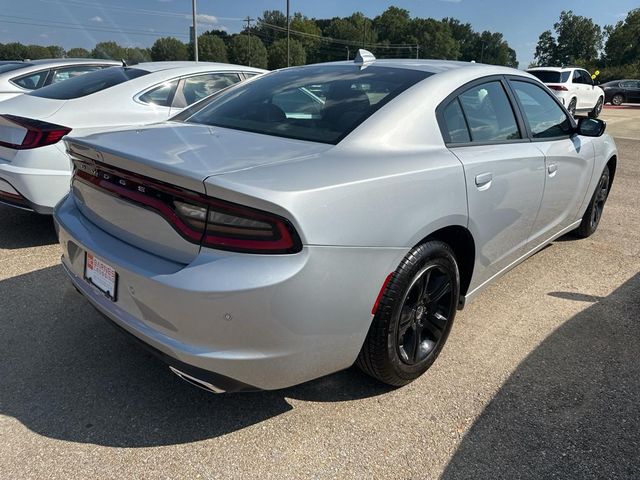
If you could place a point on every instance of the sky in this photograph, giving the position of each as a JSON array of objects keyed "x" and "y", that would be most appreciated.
[{"x": 80, "y": 23}]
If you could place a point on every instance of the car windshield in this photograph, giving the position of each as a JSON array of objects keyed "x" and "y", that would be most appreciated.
[
  {"x": 320, "y": 103},
  {"x": 89, "y": 83},
  {"x": 9, "y": 67},
  {"x": 550, "y": 76}
]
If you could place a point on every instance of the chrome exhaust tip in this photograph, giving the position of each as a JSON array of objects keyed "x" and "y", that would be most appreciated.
[{"x": 195, "y": 381}]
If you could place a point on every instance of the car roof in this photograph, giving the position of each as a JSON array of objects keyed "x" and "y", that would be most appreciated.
[
  {"x": 430, "y": 66},
  {"x": 195, "y": 66},
  {"x": 68, "y": 61},
  {"x": 555, "y": 69}
]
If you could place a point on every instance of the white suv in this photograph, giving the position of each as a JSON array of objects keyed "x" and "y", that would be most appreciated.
[{"x": 574, "y": 87}]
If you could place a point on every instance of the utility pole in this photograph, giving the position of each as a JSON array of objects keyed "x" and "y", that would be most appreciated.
[
  {"x": 364, "y": 31},
  {"x": 288, "y": 47},
  {"x": 249, "y": 20},
  {"x": 195, "y": 30},
  {"x": 417, "y": 50},
  {"x": 348, "y": 53}
]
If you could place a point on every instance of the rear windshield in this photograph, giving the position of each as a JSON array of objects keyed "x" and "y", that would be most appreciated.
[
  {"x": 89, "y": 83},
  {"x": 551, "y": 76},
  {"x": 9, "y": 67},
  {"x": 321, "y": 103}
]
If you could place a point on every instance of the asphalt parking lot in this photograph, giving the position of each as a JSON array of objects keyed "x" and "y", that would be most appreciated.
[{"x": 540, "y": 378}]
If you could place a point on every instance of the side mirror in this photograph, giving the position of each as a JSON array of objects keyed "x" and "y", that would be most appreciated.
[{"x": 591, "y": 127}]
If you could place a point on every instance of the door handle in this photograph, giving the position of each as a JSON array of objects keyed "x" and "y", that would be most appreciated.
[
  {"x": 552, "y": 168},
  {"x": 483, "y": 181}
]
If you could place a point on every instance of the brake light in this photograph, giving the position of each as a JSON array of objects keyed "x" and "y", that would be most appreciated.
[
  {"x": 198, "y": 218},
  {"x": 39, "y": 133},
  {"x": 558, "y": 88}
]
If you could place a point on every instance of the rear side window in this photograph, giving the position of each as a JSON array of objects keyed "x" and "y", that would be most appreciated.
[
  {"x": 32, "y": 81},
  {"x": 61, "y": 74},
  {"x": 551, "y": 76},
  {"x": 322, "y": 103},
  {"x": 545, "y": 117},
  {"x": 489, "y": 113},
  {"x": 201, "y": 86},
  {"x": 455, "y": 124},
  {"x": 89, "y": 83},
  {"x": 162, "y": 95}
]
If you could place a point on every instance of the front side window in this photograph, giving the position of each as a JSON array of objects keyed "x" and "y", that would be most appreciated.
[
  {"x": 489, "y": 113},
  {"x": 62, "y": 74},
  {"x": 32, "y": 81},
  {"x": 161, "y": 95},
  {"x": 89, "y": 83},
  {"x": 545, "y": 117},
  {"x": 319, "y": 103}
]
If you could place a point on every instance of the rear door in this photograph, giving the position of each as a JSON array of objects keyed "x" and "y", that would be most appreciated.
[
  {"x": 568, "y": 159},
  {"x": 503, "y": 169},
  {"x": 632, "y": 88}
]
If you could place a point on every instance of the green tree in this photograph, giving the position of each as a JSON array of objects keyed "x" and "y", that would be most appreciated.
[
  {"x": 546, "y": 49},
  {"x": 394, "y": 25},
  {"x": 135, "y": 55},
  {"x": 278, "y": 54},
  {"x": 168, "y": 49},
  {"x": 78, "y": 52},
  {"x": 37, "y": 52},
  {"x": 310, "y": 40},
  {"x": 211, "y": 48},
  {"x": 270, "y": 26},
  {"x": 623, "y": 40},
  {"x": 577, "y": 38},
  {"x": 435, "y": 39},
  {"x": 14, "y": 51},
  {"x": 465, "y": 36},
  {"x": 109, "y": 50},
  {"x": 56, "y": 51},
  {"x": 248, "y": 50}
]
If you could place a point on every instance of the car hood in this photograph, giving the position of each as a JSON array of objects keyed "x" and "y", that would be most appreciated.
[
  {"x": 29, "y": 106},
  {"x": 186, "y": 154}
]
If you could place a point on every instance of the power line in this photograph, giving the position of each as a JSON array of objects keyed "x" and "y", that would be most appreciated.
[{"x": 75, "y": 26}]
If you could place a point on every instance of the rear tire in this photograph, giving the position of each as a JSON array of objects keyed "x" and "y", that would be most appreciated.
[
  {"x": 617, "y": 100},
  {"x": 591, "y": 218},
  {"x": 595, "y": 113},
  {"x": 414, "y": 317}
]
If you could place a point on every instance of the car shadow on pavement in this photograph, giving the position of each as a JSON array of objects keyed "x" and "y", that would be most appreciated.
[
  {"x": 22, "y": 229},
  {"x": 67, "y": 374},
  {"x": 571, "y": 408}
]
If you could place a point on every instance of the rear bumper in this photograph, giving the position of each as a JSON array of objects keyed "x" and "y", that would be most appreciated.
[
  {"x": 40, "y": 185},
  {"x": 252, "y": 321}
]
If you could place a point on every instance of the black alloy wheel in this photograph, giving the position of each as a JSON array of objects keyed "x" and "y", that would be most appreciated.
[{"x": 414, "y": 316}]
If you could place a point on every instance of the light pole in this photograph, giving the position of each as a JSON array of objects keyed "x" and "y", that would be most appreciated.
[
  {"x": 195, "y": 30},
  {"x": 288, "y": 47}
]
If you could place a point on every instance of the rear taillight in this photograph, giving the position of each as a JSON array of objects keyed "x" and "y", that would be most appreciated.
[
  {"x": 38, "y": 133},
  {"x": 558, "y": 88},
  {"x": 208, "y": 221}
]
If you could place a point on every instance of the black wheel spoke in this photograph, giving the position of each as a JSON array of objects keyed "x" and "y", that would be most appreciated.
[
  {"x": 424, "y": 315},
  {"x": 441, "y": 290}
]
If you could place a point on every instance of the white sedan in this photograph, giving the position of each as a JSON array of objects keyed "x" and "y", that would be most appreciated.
[
  {"x": 18, "y": 77},
  {"x": 34, "y": 167}
]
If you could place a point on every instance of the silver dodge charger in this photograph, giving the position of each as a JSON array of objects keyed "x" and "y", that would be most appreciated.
[{"x": 326, "y": 215}]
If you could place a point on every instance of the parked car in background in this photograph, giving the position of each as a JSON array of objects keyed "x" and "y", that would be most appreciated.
[
  {"x": 328, "y": 214},
  {"x": 34, "y": 167},
  {"x": 574, "y": 87},
  {"x": 621, "y": 91},
  {"x": 17, "y": 77}
]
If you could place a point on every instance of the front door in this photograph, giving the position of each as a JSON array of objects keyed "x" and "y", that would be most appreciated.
[{"x": 568, "y": 160}]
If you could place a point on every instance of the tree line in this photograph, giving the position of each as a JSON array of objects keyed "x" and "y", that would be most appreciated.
[
  {"x": 578, "y": 40},
  {"x": 392, "y": 34}
]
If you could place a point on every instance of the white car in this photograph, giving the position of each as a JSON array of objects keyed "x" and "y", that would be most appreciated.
[
  {"x": 18, "y": 77},
  {"x": 574, "y": 87},
  {"x": 34, "y": 167}
]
